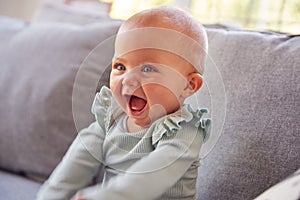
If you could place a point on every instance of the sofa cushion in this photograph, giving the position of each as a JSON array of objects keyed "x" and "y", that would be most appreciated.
[
  {"x": 50, "y": 11},
  {"x": 39, "y": 63},
  {"x": 17, "y": 187},
  {"x": 259, "y": 145},
  {"x": 288, "y": 189}
]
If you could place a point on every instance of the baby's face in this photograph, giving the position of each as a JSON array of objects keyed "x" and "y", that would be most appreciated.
[{"x": 149, "y": 83}]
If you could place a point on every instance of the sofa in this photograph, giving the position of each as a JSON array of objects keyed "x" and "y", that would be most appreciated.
[{"x": 51, "y": 69}]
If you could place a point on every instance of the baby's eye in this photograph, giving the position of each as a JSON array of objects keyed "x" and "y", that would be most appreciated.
[
  {"x": 148, "y": 68},
  {"x": 120, "y": 67}
]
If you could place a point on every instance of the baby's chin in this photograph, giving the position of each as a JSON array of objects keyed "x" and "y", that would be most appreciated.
[
  {"x": 135, "y": 124},
  {"x": 156, "y": 112}
]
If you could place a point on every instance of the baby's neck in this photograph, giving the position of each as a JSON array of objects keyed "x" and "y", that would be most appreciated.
[{"x": 132, "y": 127}]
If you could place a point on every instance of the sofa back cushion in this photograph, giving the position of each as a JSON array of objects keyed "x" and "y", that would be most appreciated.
[
  {"x": 39, "y": 63},
  {"x": 259, "y": 144},
  {"x": 51, "y": 11}
]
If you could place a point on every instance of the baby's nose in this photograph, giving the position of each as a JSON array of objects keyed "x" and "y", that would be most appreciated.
[
  {"x": 130, "y": 84},
  {"x": 131, "y": 80}
]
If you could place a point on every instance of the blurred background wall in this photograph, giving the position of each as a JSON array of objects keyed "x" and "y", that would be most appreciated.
[{"x": 275, "y": 15}]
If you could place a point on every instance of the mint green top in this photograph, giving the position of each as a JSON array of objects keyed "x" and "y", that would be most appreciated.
[{"x": 160, "y": 162}]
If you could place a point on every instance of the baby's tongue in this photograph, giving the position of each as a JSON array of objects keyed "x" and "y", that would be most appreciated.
[{"x": 136, "y": 103}]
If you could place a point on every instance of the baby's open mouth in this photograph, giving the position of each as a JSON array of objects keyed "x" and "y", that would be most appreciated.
[{"x": 137, "y": 104}]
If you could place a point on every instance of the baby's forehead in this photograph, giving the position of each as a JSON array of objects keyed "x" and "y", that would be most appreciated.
[
  {"x": 161, "y": 17},
  {"x": 161, "y": 39},
  {"x": 168, "y": 18},
  {"x": 167, "y": 29}
]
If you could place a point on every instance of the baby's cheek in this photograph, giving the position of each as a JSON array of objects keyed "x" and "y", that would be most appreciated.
[
  {"x": 163, "y": 96},
  {"x": 116, "y": 93},
  {"x": 157, "y": 111},
  {"x": 112, "y": 82}
]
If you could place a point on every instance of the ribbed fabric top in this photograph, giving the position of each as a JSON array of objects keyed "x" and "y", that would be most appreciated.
[{"x": 160, "y": 162}]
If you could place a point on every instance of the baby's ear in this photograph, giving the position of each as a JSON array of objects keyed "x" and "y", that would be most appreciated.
[{"x": 195, "y": 82}]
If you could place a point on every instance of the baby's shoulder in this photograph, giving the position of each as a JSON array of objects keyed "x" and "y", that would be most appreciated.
[
  {"x": 105, "y": 108},
  {"x": 184, "y": 123}
]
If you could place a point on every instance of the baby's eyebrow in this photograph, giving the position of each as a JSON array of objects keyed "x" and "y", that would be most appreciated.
[
  {"x": 117, "y": 59},
  {"x": 153, "y": 65},
  {"x": 149, "y": 65}
]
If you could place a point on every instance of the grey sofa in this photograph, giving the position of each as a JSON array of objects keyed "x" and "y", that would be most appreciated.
[{"x": 50, "y": 72}]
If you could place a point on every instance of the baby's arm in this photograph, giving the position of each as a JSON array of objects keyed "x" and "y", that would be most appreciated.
[
  {"x": 154, "y": 174},
  {"x": 78, "y": 166}
]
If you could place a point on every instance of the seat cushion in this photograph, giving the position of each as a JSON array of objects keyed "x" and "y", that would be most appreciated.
[
  {"x": 287, "y": 189},
  {"x": 14, "y": 187}
]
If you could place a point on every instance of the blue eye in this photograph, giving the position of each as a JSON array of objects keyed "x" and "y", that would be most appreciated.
[
  {"x": 148, "y": 68},
  {"x": 120, "y": 67}
]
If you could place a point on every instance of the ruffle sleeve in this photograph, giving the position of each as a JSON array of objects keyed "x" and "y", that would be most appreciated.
[
  {"x": 170, "y": 124},
  {"x": 104, "y": 108}
]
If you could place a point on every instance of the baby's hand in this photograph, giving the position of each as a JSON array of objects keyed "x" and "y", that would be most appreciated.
[{"x": 78, "y": 197}]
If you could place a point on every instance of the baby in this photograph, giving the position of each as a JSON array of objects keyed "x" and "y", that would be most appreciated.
[{"x": 145, "y": 136}]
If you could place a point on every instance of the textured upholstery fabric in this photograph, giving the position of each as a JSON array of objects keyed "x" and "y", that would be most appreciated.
[
  {"x": 16, "y": 187},
  {"x": 259, "y": 145},
  {"x": 39, "y": 63},
  {"x": 56, "y": 12},
  {"x": 287, "y": 189}
]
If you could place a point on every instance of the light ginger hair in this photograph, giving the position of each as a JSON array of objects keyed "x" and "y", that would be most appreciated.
[{"x": 173, "y": 19}]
